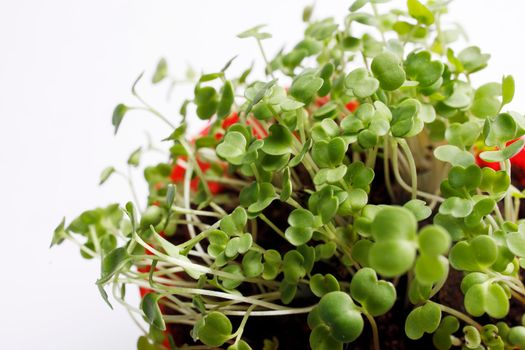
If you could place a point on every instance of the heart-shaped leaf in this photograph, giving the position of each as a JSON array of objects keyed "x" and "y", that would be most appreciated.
[
  {"x": 232, "y": 148},
  {"x": 293, "y": 266},
  {"x": 388, "y": 69},
  {"x": 423, "y": 319},
  {"x": 472, "y": 59},
  {"x": 305, "y": 87},
  {"x": 321, "y": 285},
  {"x": 360, "y": 83},
  {"x": 279, "y": 141},
  {"x": 486, "y": 100},
  {"x": 328, "y": 154},
  {"x": 499, "y": 130},
  {"x": 442, "y": 338},
  {"x": 301, "y": 223},
  {"x": 475, "y": 255},
  {"x": 214, "y": 329},
  {"x": 456, "y": 207},
  {"x": 321, "y": 339},
  {"x": 265, "y": 195},
  {"x": 494, "y": 181},
  {"x": 338, "y": 311},
  {"x": 252, "y": 265},
  {"x": 330, "y": 175},
  {"x": 468, "y": 178},
  {"x": 404, "y": 117},
  {"x": 376, "y": 296},
  {"x": 487, "y": 298},
  {"x": 421, "y": 68},
  {"x": 419, "y": 208},
  {"x": 394, "y": 231},
  {"x": 272, "y": 264},
  {"x": 454, "y": 155}
]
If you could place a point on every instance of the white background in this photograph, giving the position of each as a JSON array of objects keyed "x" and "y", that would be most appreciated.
[{"x": 63, "y": 67}]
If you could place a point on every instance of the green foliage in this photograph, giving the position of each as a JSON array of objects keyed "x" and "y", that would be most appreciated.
[{"x": 349, "y": 180}]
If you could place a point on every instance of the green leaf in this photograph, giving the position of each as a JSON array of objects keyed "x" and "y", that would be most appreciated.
[
  {"x": 472, "y": 337},
  {"x": 461, "y": 96},
  {"x": 330, "y": 175},
  {"x": 454, "y": 155},
  {"x": 376, "y": 296},
  {"x": 420, "y": 12},
  {"x": 472, "y": 59},
  {"x": 486, "y": 100},
  {"x": 279, "y": 141},
  {"x": 474, "y": 255},
  {"x": 266, "y": 195},
  {"x": 233, "y": 147},
  {"x": 321, "y": 285},
  {"x": 272, "y": 264},
  {"x": 404, "y": 117},
  {"x": 434, "y": 240},
  {"x": 286, "y": 186},
  {"x": 305, "y": 87},
  {"x": 296, "y": 160},
  {"x": 357, "y": 4},
  {"x": 507, "y": 88},
  {"x": 105, "y": 174},
  {"x": 149, "y": 305},
  {"x": 516, "y": 243},
  {"x": 442, "y": 337},
  {"x": 252, "y": 265},
  {"x": 118, "y": 115},
  {"x": 226, "y": 101},
  {"x": 499, "y": 130},
  {"x": 423, "y": 319},
  {"x": 206, "y": 100},
  {"x": 59, "y": 234},
  {"x": 360, "y": 83},
  {"x": 161, "y": 71},
  {"x": 419, "y": 208},
  {"x": 463, "y": 135},
  {"x": 487, "y": 298},
  {"x": 456, "y": 207},
  {"x": 293, "y": 266},
  {"x": 431, "y": 269},
  {"x": 112, "y": 263},
  {"x": 516, "y": 336},
  {"x": 255, "y": 33},
  {"x": 388, "y": 69},
  {"x": 421, "y": 68},
  {"x": 144, "y": 344},
  {"x": 301, "y": 223},
  {"x": 321, "y": 339},
  {"x": 134, "y": 158},
  {"x": 394, "y": 229},
  {"x": 152, "y": 216},
  {"x": 214, "y": 329},
  {"x": 328, "y": 154},
  {"x": 338, "y": 311},
  {"x": 506, "y": 153}
]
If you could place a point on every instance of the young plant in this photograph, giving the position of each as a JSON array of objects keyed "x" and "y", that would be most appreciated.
[{"x": 363, "y": 178}]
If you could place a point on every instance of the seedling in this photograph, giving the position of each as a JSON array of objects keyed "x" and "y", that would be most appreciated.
[{"x": 363, "y": 176}]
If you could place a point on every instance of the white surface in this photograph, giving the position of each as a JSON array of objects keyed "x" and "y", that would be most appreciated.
[{"x": 63, "y": 67}]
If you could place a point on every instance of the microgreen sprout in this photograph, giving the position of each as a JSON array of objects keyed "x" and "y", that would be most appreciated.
[{"x": 365, "y": 178}]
